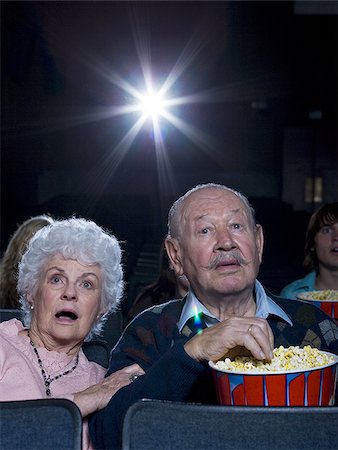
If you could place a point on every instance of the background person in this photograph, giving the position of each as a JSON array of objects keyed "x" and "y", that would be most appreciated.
[
  {"x": 9, "y": 297},
  {"x": 69, "y": 279},
  {"x": 321, "y": 253},
  {"x": 214, "y": 240},
  {"x": 167, "y": 286}
]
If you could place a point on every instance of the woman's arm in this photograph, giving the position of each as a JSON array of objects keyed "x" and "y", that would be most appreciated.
[{"x": 97, "y": 396}]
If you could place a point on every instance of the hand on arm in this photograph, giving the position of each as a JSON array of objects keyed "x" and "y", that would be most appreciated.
[
  {"x": 231, "y": 337},
  {"x": 97, "y": 396}
]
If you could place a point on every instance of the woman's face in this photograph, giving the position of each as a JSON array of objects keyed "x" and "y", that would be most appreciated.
[
  {"x": 326, "y": 246},
  {"x": 67, "y": 302}
]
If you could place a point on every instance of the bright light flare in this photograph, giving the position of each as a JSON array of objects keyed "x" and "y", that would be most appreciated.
[{"x": 152, "y": 105}]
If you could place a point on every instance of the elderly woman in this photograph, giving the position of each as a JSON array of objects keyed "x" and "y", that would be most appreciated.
[
  {"x": 321, "y": 253},
  {"x": 69, "y": 280}
]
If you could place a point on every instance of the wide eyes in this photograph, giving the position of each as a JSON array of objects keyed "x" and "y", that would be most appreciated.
[
  {"x": 237, "y": 226},
  {"x": 232, "y": 227},
  {"x": 55, "y": 279},
  {"x": 87, "y": 284},
  {"x": 326, "y": 229},
  {"x": 205, "y": 231}
]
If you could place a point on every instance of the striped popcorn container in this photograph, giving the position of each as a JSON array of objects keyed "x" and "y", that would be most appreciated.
[
  {"x": 308, "y": 387},
  {"x": 326, "y": 300}
]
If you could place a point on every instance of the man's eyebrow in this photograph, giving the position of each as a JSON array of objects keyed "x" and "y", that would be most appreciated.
[
  {"x": 201, "y": 216},
  {"x": 232, "y": 211},
  {"x": 235, "y": 211}
]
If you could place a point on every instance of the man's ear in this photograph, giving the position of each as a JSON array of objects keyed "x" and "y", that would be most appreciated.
[
  {"x": 174, "y": 254},
  {"x": 259, "y": 241}
]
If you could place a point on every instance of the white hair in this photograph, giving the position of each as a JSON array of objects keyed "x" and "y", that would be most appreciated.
[{"x": 84, "y": 241}]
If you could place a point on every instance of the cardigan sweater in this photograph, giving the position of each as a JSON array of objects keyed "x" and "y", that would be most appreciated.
[
  {"x": 153, "y": 341},
  {"x": 20, "y": 373}
]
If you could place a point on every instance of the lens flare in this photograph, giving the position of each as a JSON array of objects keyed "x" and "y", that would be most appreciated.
[
  {"x": 152, "y": 105},
  {"x": 198, "y": 321}
]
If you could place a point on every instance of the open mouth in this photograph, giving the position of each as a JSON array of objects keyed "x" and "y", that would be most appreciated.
[{"x": 66, "y": 314}]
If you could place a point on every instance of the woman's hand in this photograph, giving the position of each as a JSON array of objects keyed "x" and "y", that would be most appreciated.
[
  {"x": 234, "y": 336},
  {"x": 97, "y": 396}
]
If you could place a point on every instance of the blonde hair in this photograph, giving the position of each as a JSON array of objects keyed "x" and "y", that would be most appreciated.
[{"x": 17, "y": 246}]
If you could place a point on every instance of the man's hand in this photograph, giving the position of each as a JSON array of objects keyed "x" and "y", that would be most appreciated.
[{"x": 233, "y": 336}]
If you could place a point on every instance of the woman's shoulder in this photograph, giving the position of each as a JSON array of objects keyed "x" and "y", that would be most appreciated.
[
  {"x": 304, "y": 284},
  {"x": 11, "y": 327}
]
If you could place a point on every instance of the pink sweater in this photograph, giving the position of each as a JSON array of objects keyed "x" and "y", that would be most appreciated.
[{"x": 20, "y": 374}]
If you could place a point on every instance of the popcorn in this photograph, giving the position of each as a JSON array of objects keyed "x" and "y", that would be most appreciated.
[
  {"x": 327, "y": 294},
  {"x": 283, "y": 360}
]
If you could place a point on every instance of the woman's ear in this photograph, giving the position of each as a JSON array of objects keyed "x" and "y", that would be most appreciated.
[
  {"x": 30, "y": 301},
  {"x": 174, "y": 254}
]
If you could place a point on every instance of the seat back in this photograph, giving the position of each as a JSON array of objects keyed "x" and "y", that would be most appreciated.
[
  {"x": 160, "y": 425},
  {"x": 97, "y": 351},
  {"x": 112, "y": 329},
  {"x": 7, "y": 314},
  {"x": 46, "y": 424}
]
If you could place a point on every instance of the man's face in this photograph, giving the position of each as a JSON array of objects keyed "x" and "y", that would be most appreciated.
[{"x": 219, "y": 249}]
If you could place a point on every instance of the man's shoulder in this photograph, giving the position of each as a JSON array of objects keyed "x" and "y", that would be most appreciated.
[{"x": 166, "y": 314}]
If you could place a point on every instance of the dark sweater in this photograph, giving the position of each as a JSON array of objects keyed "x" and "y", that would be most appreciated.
[{"x": 153, "y": 341}]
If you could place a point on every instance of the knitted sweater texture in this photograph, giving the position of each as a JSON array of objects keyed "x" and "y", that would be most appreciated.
[{"x": 153, "y": 341}]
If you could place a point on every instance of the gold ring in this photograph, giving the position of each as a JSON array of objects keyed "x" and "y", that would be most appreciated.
[{"x": 133, "y": 377}]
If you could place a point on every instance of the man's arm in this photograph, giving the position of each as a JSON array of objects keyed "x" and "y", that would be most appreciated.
[{"x": 170, "y": 375}]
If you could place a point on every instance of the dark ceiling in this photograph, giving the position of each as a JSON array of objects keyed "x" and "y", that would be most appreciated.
[{"x": 268, "y": 64}]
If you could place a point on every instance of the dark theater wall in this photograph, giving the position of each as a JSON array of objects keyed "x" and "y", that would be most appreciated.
[{"x": 270, "y": 71}]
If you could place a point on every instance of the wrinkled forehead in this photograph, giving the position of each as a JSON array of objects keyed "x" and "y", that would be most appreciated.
[{"x": 211, "y": 202}]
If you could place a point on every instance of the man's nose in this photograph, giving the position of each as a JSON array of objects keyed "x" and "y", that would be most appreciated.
[{"x": 224, "y": 240}]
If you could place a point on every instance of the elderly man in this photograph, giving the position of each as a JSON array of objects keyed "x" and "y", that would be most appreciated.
[{"x": 214, "y": 240}]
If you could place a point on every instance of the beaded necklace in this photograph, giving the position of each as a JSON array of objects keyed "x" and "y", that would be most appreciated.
[{"x": 46, "y": 378}]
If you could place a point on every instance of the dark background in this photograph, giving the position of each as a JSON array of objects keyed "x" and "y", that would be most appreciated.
[{"x": 269, "y": 127}]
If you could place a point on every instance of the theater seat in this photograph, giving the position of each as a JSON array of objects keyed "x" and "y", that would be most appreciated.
[
  {"x": 8, "y": 314},
  {"x": 97, "y": 351},
  {"x": 45, "y": 424},
  {"x": 161, "y": 425}
]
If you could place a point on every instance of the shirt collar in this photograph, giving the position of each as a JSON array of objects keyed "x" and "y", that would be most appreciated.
[{"x": 264, "y": 306}]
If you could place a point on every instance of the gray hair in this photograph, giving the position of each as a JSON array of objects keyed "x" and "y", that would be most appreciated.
[
  {"x": 175, "y": 210},
  {"x": 78, "y": 239}
]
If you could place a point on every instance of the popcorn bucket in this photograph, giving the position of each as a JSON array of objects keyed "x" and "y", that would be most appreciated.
[
  {"x": 327, "y": 301},
  {"x": 308, "y": 387}
]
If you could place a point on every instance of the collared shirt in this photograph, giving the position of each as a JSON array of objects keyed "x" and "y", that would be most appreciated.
[{"x": 264, "y": 306}]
